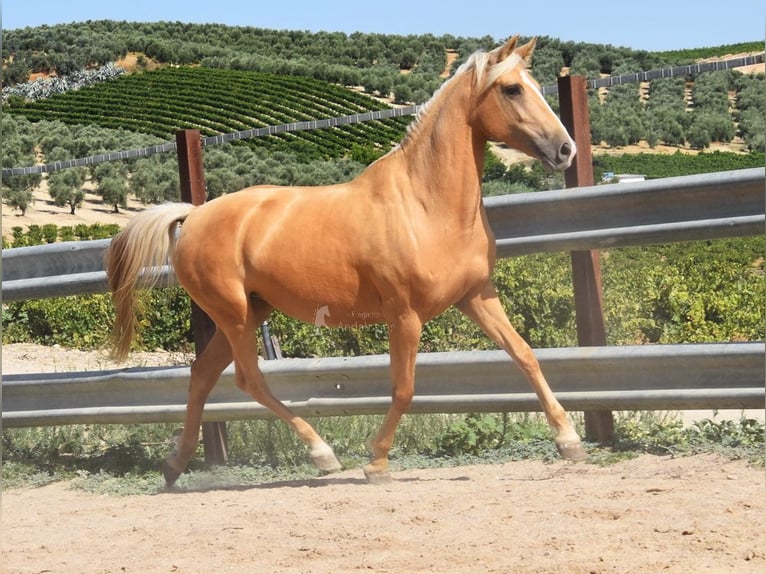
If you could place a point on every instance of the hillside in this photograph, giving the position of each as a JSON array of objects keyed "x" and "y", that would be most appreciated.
[
  {"x": 410, "y": 67},
  {"x": 216, "y": 101},
  {"x": 402, "y": 69},
  {"x": 223, "y": 79}
]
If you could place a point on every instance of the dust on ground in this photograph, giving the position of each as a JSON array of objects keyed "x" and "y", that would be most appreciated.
[{"x": 649, "y": 514}]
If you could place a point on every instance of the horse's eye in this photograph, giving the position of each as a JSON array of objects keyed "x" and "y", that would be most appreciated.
[{"x": 512, "y": 90}]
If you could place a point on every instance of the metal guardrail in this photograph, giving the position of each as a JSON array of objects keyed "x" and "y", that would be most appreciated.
[
  {"x": 729, "y": 375},
  {"x": 726, "y": 375},
  {"x": 56, "y": 270},
  {"x": 686, "y": 208},
  {"x": 707, "y": 206}
]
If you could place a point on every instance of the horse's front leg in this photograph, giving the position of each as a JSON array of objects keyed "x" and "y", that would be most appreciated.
[
  {"x": 485, "y": 309},
  {"x": 404, "y": 337},
  {"x": 205, "y": 371}
]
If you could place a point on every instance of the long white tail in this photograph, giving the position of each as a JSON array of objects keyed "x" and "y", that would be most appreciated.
[{"x": 146, "y": 243}]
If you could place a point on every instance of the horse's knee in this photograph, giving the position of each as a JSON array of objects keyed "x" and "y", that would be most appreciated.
[
  {"x": 402, "y": 399},
  {"x": 526, "y": 360},
  {"x": 199, "y": 370},
  {"x": 254, "y": 385}
]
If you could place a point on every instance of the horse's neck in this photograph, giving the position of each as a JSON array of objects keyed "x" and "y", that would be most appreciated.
[{"x": 444, "y": 160}]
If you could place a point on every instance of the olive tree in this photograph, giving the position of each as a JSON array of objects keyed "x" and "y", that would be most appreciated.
[
  {"x": 65, "y": 188},
  {"x": 155, "y": 180},
  {"x": 17, "y": 189},
  {"x": 111, "y": 179}
]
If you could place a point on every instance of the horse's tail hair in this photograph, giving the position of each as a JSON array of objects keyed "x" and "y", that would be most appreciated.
[{"x": 139, "y": 252}]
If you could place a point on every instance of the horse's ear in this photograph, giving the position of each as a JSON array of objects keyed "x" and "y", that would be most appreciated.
[
  {"x": 526, "y": 50},
  {"x": 506, "y": 50}
]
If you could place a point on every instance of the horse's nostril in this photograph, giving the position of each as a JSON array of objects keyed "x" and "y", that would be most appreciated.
[{"x": 565, "y": 150}]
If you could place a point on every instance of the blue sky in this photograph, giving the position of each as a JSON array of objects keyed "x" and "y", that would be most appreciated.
[{"x": 641, "y": 24}]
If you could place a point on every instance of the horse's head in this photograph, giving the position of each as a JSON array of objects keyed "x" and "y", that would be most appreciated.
[{"x": 511, "y": 108}]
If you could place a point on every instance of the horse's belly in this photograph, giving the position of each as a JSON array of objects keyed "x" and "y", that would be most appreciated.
[{"x": 314, "y": 288}]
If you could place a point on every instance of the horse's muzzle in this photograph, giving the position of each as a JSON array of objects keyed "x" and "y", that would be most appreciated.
[{"x": 565, "y": 154}]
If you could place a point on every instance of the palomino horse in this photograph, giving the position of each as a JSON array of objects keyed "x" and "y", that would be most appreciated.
[{"x": 398, "y": 244}]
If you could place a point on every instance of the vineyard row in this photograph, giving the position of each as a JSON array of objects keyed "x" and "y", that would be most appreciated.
[{"x": 220, "y": 101}]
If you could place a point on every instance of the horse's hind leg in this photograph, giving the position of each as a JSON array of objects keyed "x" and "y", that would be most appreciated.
[
  {"x": 205, "y": 371},
  {"x": 485, "y": 309},
  {"x": 249, "y": 378}
]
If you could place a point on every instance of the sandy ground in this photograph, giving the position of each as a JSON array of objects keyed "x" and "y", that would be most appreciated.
[
  {"x": 650, "y": 514},
  {"x": 33, "y": 358},
  {"x": 43, "y": 211}
]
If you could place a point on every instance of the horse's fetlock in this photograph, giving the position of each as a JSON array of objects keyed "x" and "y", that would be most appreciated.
[{"x": 323, "y": 457}]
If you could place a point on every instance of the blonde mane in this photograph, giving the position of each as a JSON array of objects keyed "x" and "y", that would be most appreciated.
[{"x": 485, "y": 76}]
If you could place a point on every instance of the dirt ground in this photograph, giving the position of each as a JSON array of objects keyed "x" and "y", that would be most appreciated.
[
  {"x": 34, "y": 358},
  {"x": 650, "y": 514},
  {"x": 43, "y": 211}
]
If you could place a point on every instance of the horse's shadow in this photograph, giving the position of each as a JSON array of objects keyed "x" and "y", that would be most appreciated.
[{"x": 211, "y": 485}]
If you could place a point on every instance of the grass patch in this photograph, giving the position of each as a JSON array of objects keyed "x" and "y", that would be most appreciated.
[
  {"x": 650, "y": 433},
  {"x": 124, "y": 460}
]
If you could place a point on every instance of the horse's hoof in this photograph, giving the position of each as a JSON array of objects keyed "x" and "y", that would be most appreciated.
[
  {"x": 573, "y": 451},
  {"x": 324, "y": 459},
  {"x": 170, "y": 473},
  {"x": 377, "y": 476}
]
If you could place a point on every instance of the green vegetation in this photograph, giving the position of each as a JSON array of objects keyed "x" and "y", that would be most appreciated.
[
  {"x": 123, "y": 460},
  {"x": 228, "y": 167},
  {"x": 624, "y": 118},
  {"x": 692, "y": 54},
  {"x": 689, "y": 292},
  {"x": 250, "y": 77},
  {"x": 371, "y": 60},
  {"x": 83, "y": 321},
  {"x": 656, "y": 166},
  {"x": 751, "y": 110},
  {"x": 50, "y": 233},
  {"x": 374, "y": 60},
  {"x": 222, "y": 101}
]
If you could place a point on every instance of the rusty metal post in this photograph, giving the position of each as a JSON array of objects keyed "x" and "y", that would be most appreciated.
[
  {"x": 586, "y": 265},
  {"x": 192, "y": 177}
]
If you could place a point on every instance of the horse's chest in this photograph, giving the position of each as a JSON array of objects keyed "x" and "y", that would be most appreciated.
[
  {"x": 443, "y": 276},
  {"x": 451, "y": 274}
]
